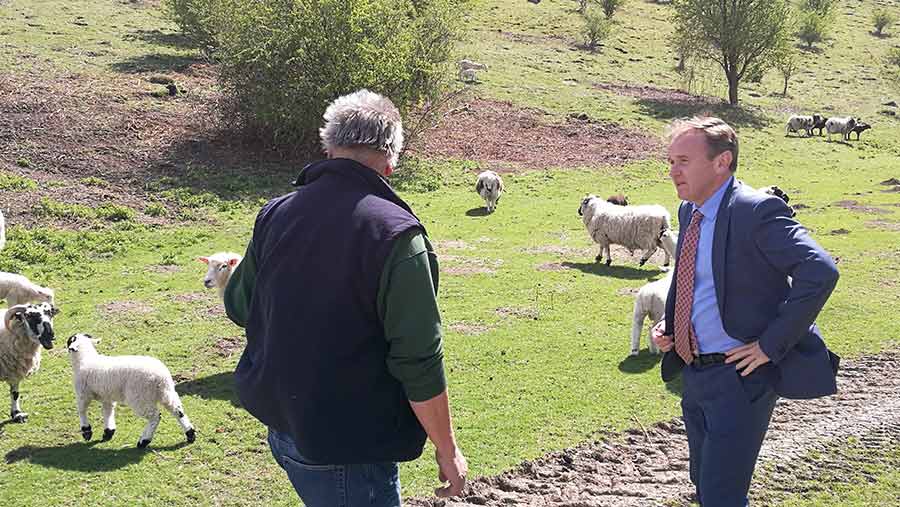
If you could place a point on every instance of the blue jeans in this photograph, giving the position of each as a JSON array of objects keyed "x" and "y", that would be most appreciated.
[{"x": 322, "y": 485}]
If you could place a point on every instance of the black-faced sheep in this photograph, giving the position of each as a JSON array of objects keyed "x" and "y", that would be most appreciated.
[
  {"x": 634, "y": 227},
  {"x": 781, "y": 194},
  {"x": 26, "y": 328},
  {"x": 859, "y": 128},
  {"x": 838, "y": 125},
  {"x": 490, "y": 188}
]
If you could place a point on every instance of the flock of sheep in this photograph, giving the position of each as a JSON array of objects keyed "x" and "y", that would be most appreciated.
[{"x": 834, "y": 125}]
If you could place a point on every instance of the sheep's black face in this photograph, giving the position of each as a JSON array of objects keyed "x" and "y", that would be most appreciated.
[
  {"x": 584, "y": 203},
  {"x": 38, "y": 321}
]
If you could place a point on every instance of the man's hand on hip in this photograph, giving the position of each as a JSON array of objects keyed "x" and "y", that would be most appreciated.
[
  {"x": 663, "y": 341},
  {"x": 748, "y": 357},
  {"x": 452, "y": 467}
]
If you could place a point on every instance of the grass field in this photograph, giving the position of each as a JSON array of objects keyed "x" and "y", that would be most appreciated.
[{"x": 537, "y": 336}]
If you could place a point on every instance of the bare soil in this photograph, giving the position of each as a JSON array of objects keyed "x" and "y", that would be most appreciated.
[
  {"x": 648, "y": 466},
  {"x": 667, "y": 95}
]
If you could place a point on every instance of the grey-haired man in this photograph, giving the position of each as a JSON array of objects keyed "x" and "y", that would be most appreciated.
[{"x": 344, "y": 359}]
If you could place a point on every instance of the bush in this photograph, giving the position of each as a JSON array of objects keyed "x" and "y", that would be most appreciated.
[
  {"x": 283, "y": 61},
  {"x": 611, "y": 6},
  {"x": 198, "y": 19},
  {"x": 821, "y": 7},
  {"x": 812, "y": 28},
  {"x": 882, "y": 19},
  {"x": 596, "y": 28},
  {"x": 893, "y": 57}
]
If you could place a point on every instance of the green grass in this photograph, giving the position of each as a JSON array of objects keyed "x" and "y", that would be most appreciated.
[{"x": 550, "y": 369}]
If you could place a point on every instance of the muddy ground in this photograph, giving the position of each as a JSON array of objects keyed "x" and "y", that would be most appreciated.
[{"x": 648, "y": 466}]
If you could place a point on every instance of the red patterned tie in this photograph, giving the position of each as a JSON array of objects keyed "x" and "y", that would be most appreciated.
[{"x": 685, "y": 340}]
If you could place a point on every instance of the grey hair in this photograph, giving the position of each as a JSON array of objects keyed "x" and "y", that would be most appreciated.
[
  {"x": 363, "y": 118},
  {"x": 720, "y": 137}
]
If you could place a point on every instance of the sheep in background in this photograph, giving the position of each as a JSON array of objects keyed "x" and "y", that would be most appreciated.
[
  {"x": 26, "y": 328},
  {"x": 489, "y": 187},
  {"x": 141, "y": 382},
  {"x": 470, "y": 65},
  {"x": 16, "y": 289},
  {"x": 859, "y": 128},
  {"x": 649, "y": 302},
  {"x": 468, "y": 76},
  {"x": 634, "y": 227},
  {"x": 841, "y": 126},
  {"x": 818, "y": 123},
  {"x": 619, "y": 199},
  {"x": 799, "y": 122},
  {"x": 220, "y": 267},
  {"x": 779, "y": 193}
]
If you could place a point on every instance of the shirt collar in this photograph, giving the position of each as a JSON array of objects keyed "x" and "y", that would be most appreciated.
[{"x": 710, "y": 208}]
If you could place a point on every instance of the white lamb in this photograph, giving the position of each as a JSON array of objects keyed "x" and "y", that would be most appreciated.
[
  {"x": 650, "y": 302},
  {"x": 220, "y": 267},
  {"x": 25, "y": 329},
  {"x": 465, "y": 65},
  {"x": 16, "y": 289},
  {"x": 468, "y": 76},
  {"x": 141, "y": 382},
  {"x": 838, "y": 125},
  {"x": 644, "y": 227},
  {"x": 489, "y": 187}
]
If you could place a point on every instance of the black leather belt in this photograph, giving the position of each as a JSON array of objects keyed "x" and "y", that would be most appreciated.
[{"x": 708, "y": 359}]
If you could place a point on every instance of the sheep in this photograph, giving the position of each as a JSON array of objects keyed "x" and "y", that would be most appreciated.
[
  {"x": 490, "y": 188},
  {"x": 797, "y": 122},
  {"x": 649, "y": 302},
  {"x": 470, "y": 65},
  {"x": 220, "y": 267},
  {"x": 468, "y": 76},
  {"x": 818, "y": 123},
  {"x": 838, "y": 125},
  {"x": 26, "y": 328},
  {"x": 859, "y": 128},
  {"x": 16, "y": 289},
  {"x": 777, "y": 192},
  {"x": 141, "y": 382},
  {"x": 619, "y": 199},
  {"x": 634, "y": 227}
]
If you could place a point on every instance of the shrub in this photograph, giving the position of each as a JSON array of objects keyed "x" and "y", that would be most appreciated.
[
  {"x": 893, "y": 57},
  {"x": 198, "y": 20},
  {"x": 13, "y": 182},
  {"x": 811, "y": 28},
  {"x": 279, "y": 79},
  {"x": 115, "y": 213},
  {"x": 882, "y": 19},
  {"x": 596, "y": 28},
  {"x": 155, "y": 209},
  {"x": 611, "y": 6}
]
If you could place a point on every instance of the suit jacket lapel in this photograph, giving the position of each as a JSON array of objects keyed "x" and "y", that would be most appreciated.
[{"x": 720, "y": 238}]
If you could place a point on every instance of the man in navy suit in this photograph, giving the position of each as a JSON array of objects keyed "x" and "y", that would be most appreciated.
[{"x": 749, "y": 283}]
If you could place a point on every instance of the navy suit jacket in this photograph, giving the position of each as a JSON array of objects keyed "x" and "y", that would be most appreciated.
[{"x": 756, "y": 246}]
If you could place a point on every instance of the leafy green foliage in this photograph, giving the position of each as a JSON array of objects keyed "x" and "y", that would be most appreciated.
[
  {"x": 882, "y": 18},
  {"x": 596, "y": 27},
  {"x": 812, "y": 28}
]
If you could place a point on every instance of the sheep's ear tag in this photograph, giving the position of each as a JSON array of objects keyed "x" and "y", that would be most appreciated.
[{"x": 204, "y": 260}]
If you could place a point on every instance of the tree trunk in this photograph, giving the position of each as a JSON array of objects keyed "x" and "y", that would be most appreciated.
[
  {"x": 784, "y": 93},
  {"x": 732, "y": 89}
]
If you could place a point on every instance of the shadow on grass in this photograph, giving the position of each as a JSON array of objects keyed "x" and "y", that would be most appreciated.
[
  {"x": 479, "y": 211},
  {"x": 624, "y": 272},
  {"x": 160, "y": 38},
  {"x": 214, "y": 387},
  {"x": 155, "y": 62},
  {"x": 94, "y": 456},
  {"x": 735, "y": 115},
  {"x": 640, "y": 363}
]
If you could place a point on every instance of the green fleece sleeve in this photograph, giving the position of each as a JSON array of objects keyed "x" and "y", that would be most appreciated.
[
  {"x": 239, "y": 290},
  {"x": 412, "y": 322}
]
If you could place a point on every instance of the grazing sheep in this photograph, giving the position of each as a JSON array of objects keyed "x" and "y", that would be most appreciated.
[
  {"x": 650, "y": 302},
  {"x": 16, "y": 289},
  {"x": 618, "y": 199},
  {"x": 489, "y": 187},
  {"x": 470, "y": 65},
  {"x": 818, "y": 123},
  {"x": 468, "y": 76},
  {"x": 220, "y": 267},
  {"x": 859, "y": 128},
  {"x": 141, "y": 382},
  {"x": 838, "y": 125},
  {"x": 634, "y": 227},
  {"x": 799, "y": 122},
  {"x": 777, "y": 192},
  {"x": 25, "y": 329}
]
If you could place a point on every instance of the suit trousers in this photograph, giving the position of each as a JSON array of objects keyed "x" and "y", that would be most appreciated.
[{"x": 726, "y": 417}]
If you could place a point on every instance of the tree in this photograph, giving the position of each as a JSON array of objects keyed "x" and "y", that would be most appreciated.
[
  {"x": 611, "y": 6},
  {"x": 741, "y": 36},
  {"x": 882, "y": 19},
  {"x": 812, "y": 28},
  {"x": 787, "y": 63},
  {"x": 821, "y": 7},
  {"x": 596, "y": 27}
]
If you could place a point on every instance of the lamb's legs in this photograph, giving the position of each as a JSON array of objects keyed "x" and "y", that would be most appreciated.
[
  {"x": 636, "y": 328},
  {"x": 109, "y": 420},
  {"x": 173, "y": 405},
  {"x": 15, "y": 411},
  {"x": 83, "y": 404},
  {"x": 647, "y": 255},
  {"x": 149, "y": 430},
  {"x": 608, "y": 254}
]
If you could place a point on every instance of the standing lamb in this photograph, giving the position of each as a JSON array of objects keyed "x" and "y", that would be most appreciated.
[
  {"x": 779, "y": 193},
  {"x": 489, "y": 187},
  {"x": 141, "y": 382},
  {"x": 16, "y": 289},
  {"x": 220, "y": 267},
  {"x": 650, "y": 302},
  {"x": 465, "y": 65},
  {"x": 25, "y": 329},
  {"x": 841, "y": 126},
  {"x": 634, "y": 227}
]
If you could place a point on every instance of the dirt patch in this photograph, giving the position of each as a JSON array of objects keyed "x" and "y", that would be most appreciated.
[
  {"x": 519, "y": 312},
  {"x": 118, "y": 307},
  {"x": 452, "y": 244},
  {"x": 551, "y": 266},
  {"x": 655, "y": 94},
  {"x": 164, "y": 268},
  {"x": 228, "y": 346},
  {"x": 526, "y": 38},
  {"x": 458, "y": 265},
  {"x": 648, "y": 465},
  {"x": 840, "y": 231},
  {"x": 468, "y": 328},
  {"x": 856, "y": 206},
  {"x": 883, "y": 224},
  {"x": 468, "y": 270},
  {"x": 191, "y": 297},
  {"x": 563, "y": 251},
  {"x": 506, "y": 138}
]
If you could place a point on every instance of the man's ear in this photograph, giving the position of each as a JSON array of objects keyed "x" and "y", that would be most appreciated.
[
  {"x": 723, "y": 162},
  {"x": 204, "y": 260}
]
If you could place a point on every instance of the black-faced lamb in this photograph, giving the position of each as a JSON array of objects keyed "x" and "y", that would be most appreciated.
[
  {"x": 799, "y": 122},
  {"x": 26, "y": 328},
  {"x": 141, "y": 382},
  {"x": 490, "y": 188},
  {"x": 220, "y": 266},
  {"x": 859, "y": 128},
  {"x": 840, "y": 125},
  {"x": 16, "y": 289},
  {"x": 781, "y": 194},
  {"x": 634, "y": 227},
  {"x": 649, "y": 302},
  {"x": 818, "y": 123}
]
